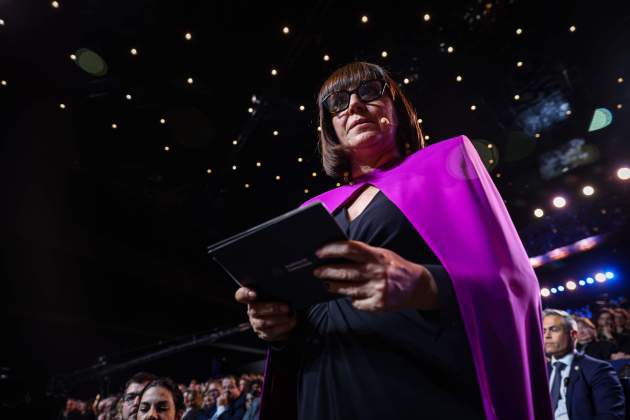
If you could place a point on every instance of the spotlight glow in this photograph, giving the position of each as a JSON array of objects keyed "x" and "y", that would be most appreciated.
[
  {"x": 590, "y": 280},
  {"x": 133, "y": 51},
  {"x": 459, "y": 78},
  {"x": 571, "y": 285},
  {"x": 426, "y": 17},
  {"x": 544, "y": 292},
  {"x": 582, "y": 283},
  {"x": 560, "y": 288},
  {"x": 559, "y": 202},
  {"x": 539, "y": 213},
  {"x": 554, "y": 290},
  {"x": 384, "y": 54},
  {"x": 572, "y": 28},
  {"x": 285, "y": 30},
  {"x": 274, "y": 72},
  {"x": 623, "y": 173},
  {"x": 326, "y": 57},
  {"x": 519, "y": 31},
  {"x": 190, "y": 81},
  {"x": 450, "y": 50},
  {"x": 588, "y": 190},
  {"x": 610, "y": 275},
  {"x": 208, "y": 171},
  {"x": 473, "y": 107},
  {"x": 600, "y": 277},
  {"x": 364, "y": 19},
  {"x": 188, "y": 36},
  {"x": 302, "y": 108},
  {"x": 55, "y": 4},
  {"x": 519, "y": 64}
]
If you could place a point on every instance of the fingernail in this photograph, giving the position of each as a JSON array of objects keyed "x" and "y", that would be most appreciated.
[{"x": 251, "y": 294}]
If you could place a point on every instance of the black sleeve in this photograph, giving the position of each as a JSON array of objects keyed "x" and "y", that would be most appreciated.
[{"x": 607, "y": 392}]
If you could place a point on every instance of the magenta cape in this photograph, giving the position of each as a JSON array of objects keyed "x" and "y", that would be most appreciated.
[{"x": 449, "y": 197}]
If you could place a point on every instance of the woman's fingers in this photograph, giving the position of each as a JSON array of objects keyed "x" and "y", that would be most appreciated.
[
  {"x": 261, "y": 309},
  {"x": 245, "y": 295},
  {"x": 352, "y": 250}
]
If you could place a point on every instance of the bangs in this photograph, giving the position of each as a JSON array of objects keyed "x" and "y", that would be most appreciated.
[{"x": 350, "y": 76}]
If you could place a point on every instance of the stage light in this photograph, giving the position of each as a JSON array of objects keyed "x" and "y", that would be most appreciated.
[
  {"x": 302, "y": 108},
  {"x": 208, "y": 171},
  {"x": 519, "y": 64},
  {"x": 246, "y": 185},
  {"x": 166, "y": 148},
  {"x": 250, "y": 110},
  {"x": 62, "y": 106},
  {"x": 519, "y": 31},
  {"x": 517, "y": 97},
  {"x": 1, "y": 22},
  {"x": 473, "y": 107},
  {"x": 338, "y": 184},
  {"x": 554, "y": 290},
  {"x": 537, "y": 135},
  {"x": 274, "y": 72},
  {"x": 600, "y": 277},
  {"x": 406, "y": 81},
  {"x": 305, "y": 190},
  {"x": 190, "y": 81},
  {"x": 364, "y": 19},
  {"x": 602, "y": 118},
  {"x": 326, "y": 57},
  {"x": 188, "y": 36},
  {"x": 571, "y": 285},
  {"x": 610, "y": 275},
  {"x": 582, "y": 283},
  {"x": 490, "y": 146},
  {"x": 114, "y": 126},
  {"x": 3, "y": 82},
  {"x": 620, "y": 80},
  {"x": 73, "y": 57},
  {"x": 162, "y": 121},
  {"x": 384, "y": 54},
  {"x": 539, "y": 213},
  {"x": 314, "y": 174},
  {"x": 572, "y": 28},
  {"x": 300, "y": 159},
  {"x": 233, "y": 167},
  {"x": 319, "y": 128},
  {"x": 459, "y": 78},
  {"x": 623, "y": 173},
  {"x": 559, "y": 202},
  {"x": 285, "y": 30},
  {"x": 450, "y": 50},
  {"x": 133, "y": 51},
  {"x": 568, "y": 112},
  {"x": 427, "y": 137},
  {"x": 258, "y": 164},
  {"x": 619, "y": 106},
  {"x": 544, "y": 292},
  {"x": 234, "y": 142},
  {"x": 55, "y": 4},
  {"x": 275, "y": 132},
  {"x": 426, "y": 17},
  {"x": 560, "y": 288},
  {"x": 128, "y": 97},
  {"x": 419, "y": 120},
  {"x": 588, "y": 190},
  {"x": 590, "y": 280},
  {"x": 277, "y": 177}
]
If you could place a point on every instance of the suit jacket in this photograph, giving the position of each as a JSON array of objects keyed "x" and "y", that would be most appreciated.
[
  {"x": 236, "y": 409},
  {"x": 594, "y": 391}
]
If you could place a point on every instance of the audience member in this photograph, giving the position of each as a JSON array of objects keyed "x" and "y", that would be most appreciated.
[
  {"x": 587, "y": 342},
  {"x": 161, "y": 399},
  {"x": 131, "y": 394},
  {"x": 582, "y": 388}
]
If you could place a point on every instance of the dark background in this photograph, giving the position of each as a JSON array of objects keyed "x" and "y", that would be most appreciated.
[{"x": 104, "y": 231}]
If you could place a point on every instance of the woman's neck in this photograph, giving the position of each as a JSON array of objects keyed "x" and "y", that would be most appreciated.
[{"x": 364, "y": 165}]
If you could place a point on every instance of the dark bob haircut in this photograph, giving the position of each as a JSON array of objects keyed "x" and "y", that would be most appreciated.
[
  {"x": 167, "y": 383},
  {"x": 409, "y": 137}
]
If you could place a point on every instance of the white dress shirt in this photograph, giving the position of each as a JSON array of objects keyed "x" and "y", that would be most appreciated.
[{"x": 561, "y": 412}]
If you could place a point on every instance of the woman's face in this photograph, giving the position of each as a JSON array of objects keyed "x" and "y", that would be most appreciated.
[
  {"x": 585, "y": 333},
  {"x": 605, "y": 320},
  {"x": 367, "y": 127},
  {"x": 157, "y": 404}
]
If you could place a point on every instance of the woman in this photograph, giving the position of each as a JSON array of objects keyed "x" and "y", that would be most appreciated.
[
  {"x": 397, "y": 344},
  {"x": 161, "y": 399}
]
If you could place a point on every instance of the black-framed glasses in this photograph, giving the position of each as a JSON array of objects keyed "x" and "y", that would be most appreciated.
[
  {"x": 130, "y": 397},
  {"x": 367, "y": 91}
]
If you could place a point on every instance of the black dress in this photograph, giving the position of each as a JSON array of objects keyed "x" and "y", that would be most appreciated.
[{"x": 407, "y": 364}]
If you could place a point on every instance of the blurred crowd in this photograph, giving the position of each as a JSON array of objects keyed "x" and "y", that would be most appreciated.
[{"x": 146, "y": 396}]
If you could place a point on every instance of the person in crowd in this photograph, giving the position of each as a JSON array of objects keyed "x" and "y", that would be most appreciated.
[
  {"x": 231, "y": 403},
  {"x": 131, "y": 394},
  {"x": 587, "y": 342},
  {"x": 581, "y": 387},
  {"x": 411, "y": 329},
  {"x": 161, "y": 399},
  {"x": 252, "y": 401},
  {"x": 193, "y": 401},
  {"x": 606, "y": 329}
]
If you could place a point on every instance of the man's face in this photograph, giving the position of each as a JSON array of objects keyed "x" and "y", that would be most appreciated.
[
  {"x": 188, "y": 399},
  {"x": 131, "y": 400},
  {"x": 558, "y": 341},
  {"x": 229, "y": 386},
  {"x": 214, "y": 390}
]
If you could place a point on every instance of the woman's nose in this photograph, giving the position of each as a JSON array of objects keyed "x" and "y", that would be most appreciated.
[{"x": 355, "y": 104}]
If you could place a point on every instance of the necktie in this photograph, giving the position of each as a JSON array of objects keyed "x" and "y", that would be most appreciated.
[{"x": 555, "y": 386}]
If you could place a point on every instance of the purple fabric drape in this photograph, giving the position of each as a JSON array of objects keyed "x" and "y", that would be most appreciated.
[{"x": 449, "y": 197}]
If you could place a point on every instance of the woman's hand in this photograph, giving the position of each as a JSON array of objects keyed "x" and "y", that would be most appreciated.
[
  {"x": 271, "y": 321},
  {"x": 377, "y": 279}
]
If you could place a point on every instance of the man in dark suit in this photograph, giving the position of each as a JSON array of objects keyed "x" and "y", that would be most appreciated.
[{"x": 582, "y": 388}]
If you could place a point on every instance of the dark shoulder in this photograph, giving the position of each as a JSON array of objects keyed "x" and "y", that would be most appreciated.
[{"x": 591, "y": 365}]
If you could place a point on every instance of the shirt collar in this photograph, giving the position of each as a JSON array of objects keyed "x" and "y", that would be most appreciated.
[{"x": 567, "y": 359}]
